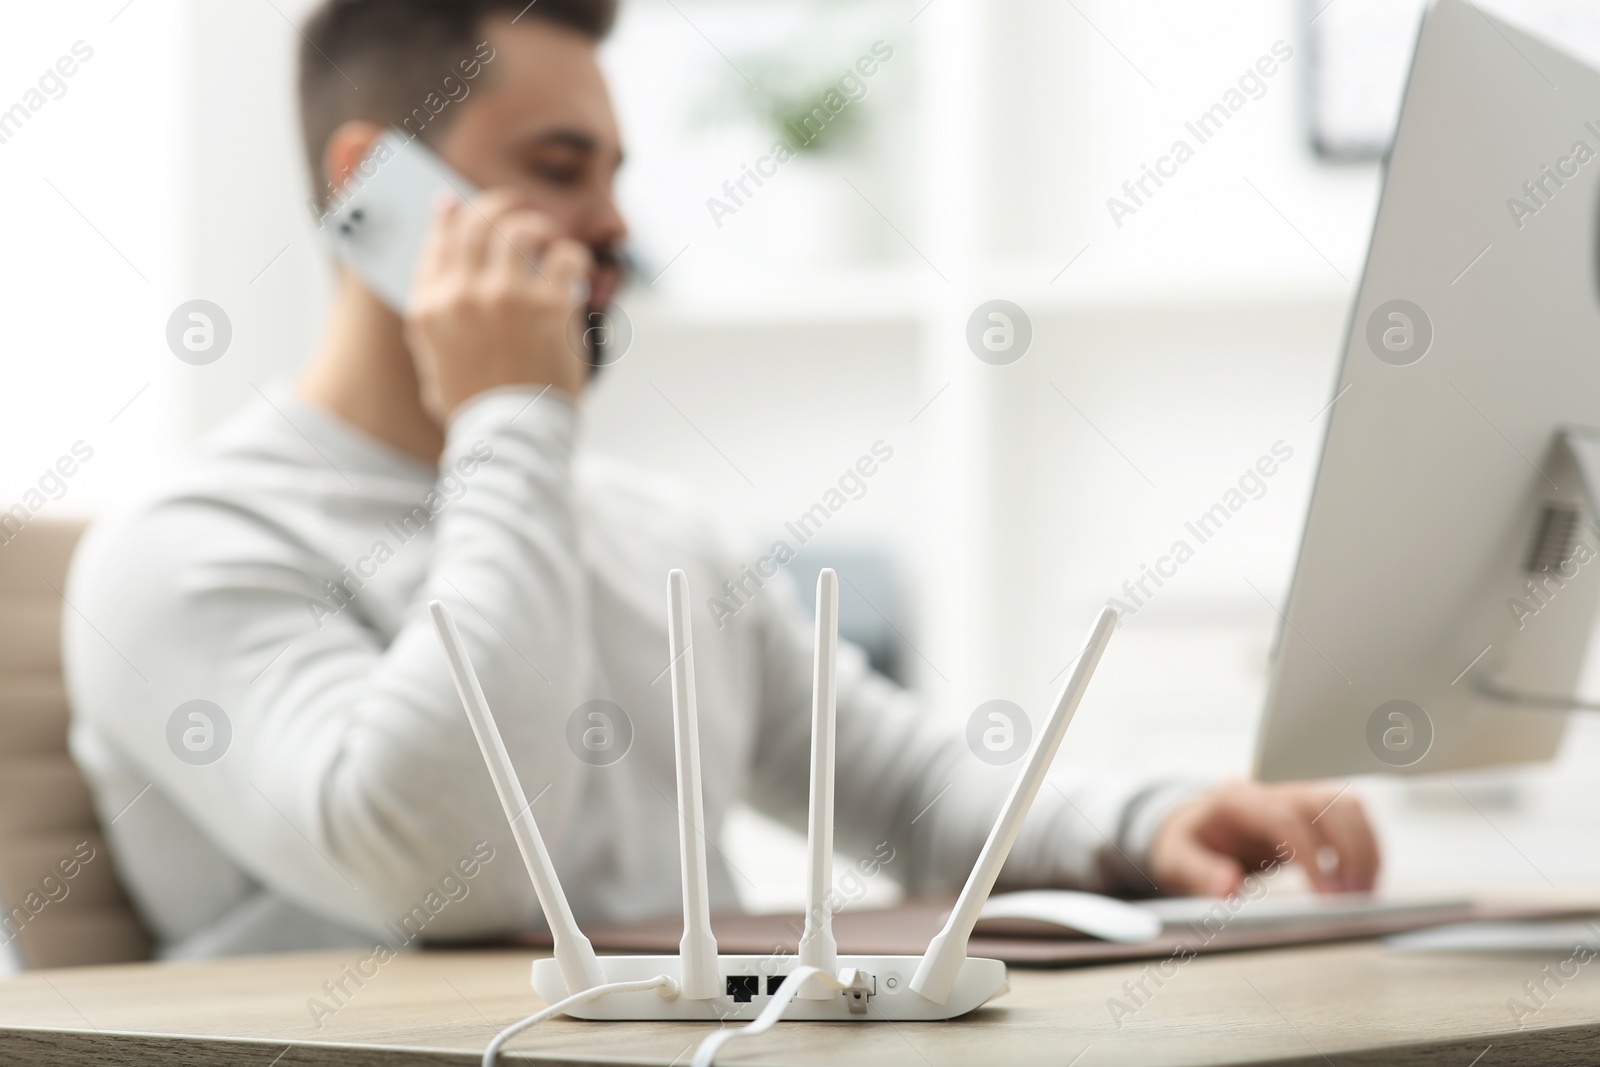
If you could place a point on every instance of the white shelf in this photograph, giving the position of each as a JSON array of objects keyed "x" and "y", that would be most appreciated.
[{"x": 905, "y": 293}]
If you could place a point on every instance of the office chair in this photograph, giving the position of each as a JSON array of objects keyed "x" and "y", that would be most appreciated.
[{"x": 47, "y": 822}]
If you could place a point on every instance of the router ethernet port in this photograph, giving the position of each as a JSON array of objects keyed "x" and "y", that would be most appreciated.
[
  {"x": 773, "y": 982},
  {"x": 743, "y": 987}
]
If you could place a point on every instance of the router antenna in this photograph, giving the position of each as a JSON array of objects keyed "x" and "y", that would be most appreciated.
[
  {"x": 940, "y": 965},
  {"x": 701, "y": 976},
  {"x": 817, "y": 945},
  {"x": 580, "y": 970}
]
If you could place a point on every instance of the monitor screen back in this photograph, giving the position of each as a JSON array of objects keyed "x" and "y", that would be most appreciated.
[{"x": 1474, "y": 339}]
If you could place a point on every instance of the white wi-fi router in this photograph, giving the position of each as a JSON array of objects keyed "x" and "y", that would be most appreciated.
[{"x": 699, "y": 984}]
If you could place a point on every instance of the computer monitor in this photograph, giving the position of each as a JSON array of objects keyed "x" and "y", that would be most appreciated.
[{"x": 1449, "y": 576}]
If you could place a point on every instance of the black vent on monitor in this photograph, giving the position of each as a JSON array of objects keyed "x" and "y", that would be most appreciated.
[{"x": 1555, "y": 539}]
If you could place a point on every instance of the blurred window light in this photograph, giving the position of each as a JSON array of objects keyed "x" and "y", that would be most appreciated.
[{"x": 1361, "y": 53}]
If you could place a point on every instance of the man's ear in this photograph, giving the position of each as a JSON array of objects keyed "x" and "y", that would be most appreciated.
[{"x": 346, "y": 148}]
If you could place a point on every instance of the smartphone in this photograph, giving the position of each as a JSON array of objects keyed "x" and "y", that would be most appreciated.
[{"x": 378, "y": 222}]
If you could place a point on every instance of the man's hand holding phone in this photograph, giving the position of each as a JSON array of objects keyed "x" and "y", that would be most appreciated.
[{"x": 492, "y": 303}]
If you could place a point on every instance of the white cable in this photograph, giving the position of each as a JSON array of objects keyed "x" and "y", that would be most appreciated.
[
  {"x": 668, "y": 987},
  {"x": 769, "y": 1015}
]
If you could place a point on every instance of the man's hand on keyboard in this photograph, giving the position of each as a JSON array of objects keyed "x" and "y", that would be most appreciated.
[{"x": 1207, "y": 845}]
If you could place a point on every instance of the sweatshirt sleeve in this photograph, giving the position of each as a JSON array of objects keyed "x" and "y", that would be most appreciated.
[
  {"x": 909, "y": 788},
  {"x": 352, "y": 781}
]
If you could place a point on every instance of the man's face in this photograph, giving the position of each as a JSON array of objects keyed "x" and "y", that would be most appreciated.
[{"x": 543, "y": 124}]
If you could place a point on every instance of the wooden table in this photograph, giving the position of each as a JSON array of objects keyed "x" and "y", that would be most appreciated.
[{"x": 1353, "y": 1003}]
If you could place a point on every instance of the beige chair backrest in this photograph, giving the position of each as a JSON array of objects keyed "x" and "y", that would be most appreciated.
[{"x": 60, "y": 902}]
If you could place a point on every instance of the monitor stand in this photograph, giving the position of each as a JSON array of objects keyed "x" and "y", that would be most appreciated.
[{"x": 1554, "y": 557}]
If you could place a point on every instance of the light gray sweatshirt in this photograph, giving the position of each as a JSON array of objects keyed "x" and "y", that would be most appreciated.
[{"x": 328, "y": 790}]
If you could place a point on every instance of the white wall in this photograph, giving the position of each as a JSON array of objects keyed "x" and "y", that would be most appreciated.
[
  {"x": 94, "y": 234},
  {"x": 254, "y": 249}
]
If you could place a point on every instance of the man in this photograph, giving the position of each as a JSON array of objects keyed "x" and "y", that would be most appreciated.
[{"x": 328, "y": 788}]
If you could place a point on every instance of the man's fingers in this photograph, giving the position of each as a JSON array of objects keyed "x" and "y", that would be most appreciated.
[
  {"x": 481, "y": 222},
  {"x": 566, "y": 264},
  {"x": 1280, "y": 836},
  {"x": 518, "y": 244},
  {"x": 1190, "y": 868},
  {"x": 1251, "y": 827},
  {"x": 1342, "y": 825},
  {"x": 435, "y": 257}
]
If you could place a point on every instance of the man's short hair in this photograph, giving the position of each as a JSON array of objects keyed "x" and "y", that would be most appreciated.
[{"x": 382, "y": 60}]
